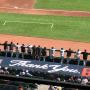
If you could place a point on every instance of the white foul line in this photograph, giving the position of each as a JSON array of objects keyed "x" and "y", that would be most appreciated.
[
  {"x": 51, "y": 24},
  {"x": 26, "y": 22}
]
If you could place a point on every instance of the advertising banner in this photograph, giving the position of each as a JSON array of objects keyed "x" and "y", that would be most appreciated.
[{"x": 86, "y": 72}]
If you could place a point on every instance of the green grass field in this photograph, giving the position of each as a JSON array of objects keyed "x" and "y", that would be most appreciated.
[
  {"x": 83, "y": 5},
  {"x": 55, "y": 27}
]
